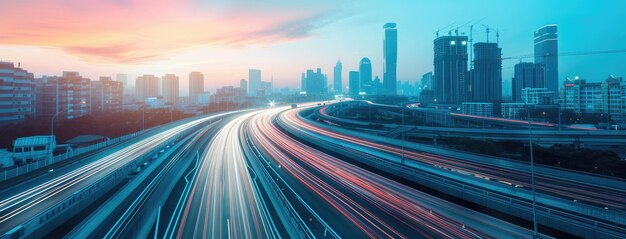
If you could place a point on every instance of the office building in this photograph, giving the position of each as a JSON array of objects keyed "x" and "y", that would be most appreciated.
[
  {"x": 196, "y": 86},
  {"x": 146, "y": 86},
  {"x": 365, "y": 75},
  {"x": 537, "y": 96},
  {"x": 354, "y": 86},
  {"x": 65, "y": 96},
  {"x": 337, "y": 81},
  {"x": 606, "y": 97},
  {"x": 254, "y": 79},
  {"x": 17, "y": 93},
  {"x": 527, "y": 75},
  {"x": 450, "y": 64},
  {"x": 106, "y": 95},
  {"x": 170, "y": 89},
  {"x": 485, "y": 84},
  {"x": 390, "y": 58},
  {"x": 477, "y": 108},
  {"x": 547, "y": 55}
]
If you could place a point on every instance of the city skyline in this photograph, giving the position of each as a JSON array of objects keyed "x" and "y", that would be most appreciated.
[{"x": 226, "y": 59}]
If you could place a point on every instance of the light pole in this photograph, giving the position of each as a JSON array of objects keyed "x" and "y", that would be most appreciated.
[
  {"x": 143, "y": 121},
  {"x": 532, "y": 171},
  {"x": 402, "y": 132},
  {"x": 52, "y": 123}
]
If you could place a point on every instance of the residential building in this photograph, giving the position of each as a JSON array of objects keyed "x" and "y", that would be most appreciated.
[
  {"x": 196, "y": 86},
  {"x": 146, "y": 86},
  {"x": 170, "y": 89},
  {"x": 537, "y": 96},
  {"x": 66, "y": 96},
  {"x": 450, "y": 64},
  {"x": 606, "y": 97},
  {"x": 527, "y": 75},
  {"x": 106, "y": 95},
  {"x": 485, "y": 82},
  {"x": 17, "y": 93},
  {"x": 354, "y": 86}
]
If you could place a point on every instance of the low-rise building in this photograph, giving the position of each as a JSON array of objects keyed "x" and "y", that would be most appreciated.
[
  {"x": 33, "y": 148},
  {"x": 477, "y": 108},
  {"x": 606, "y": 97}
]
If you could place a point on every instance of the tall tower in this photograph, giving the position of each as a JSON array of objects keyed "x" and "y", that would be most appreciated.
[
  {"x": 254, "y": 79},
  {"x": 365, "y": 75},
  {"x": 390, "y": 52},
  {"x": 337, "y": 83},
  {"x": 486, "y": 81},
  {"x": 450, "y": 65},
  {"x": 546, "y": 54},
  {"x": 354, "y": 83}
]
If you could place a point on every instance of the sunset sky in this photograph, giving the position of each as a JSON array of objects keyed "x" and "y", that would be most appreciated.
[{"x": 224, "y": 38}]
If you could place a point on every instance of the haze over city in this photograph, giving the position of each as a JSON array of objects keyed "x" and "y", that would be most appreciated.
[
  {"x": 312, "y": 119},
  {"x": 223, "y": 39}
]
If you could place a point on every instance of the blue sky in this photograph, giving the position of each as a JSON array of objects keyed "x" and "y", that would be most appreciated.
[{"x": 224, "y": 38}]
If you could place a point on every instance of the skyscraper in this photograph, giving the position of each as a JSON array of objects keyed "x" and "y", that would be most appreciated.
[
  {"x": 303, "y": 82},
  {"x": 65, "y": 96},
  {"x": 16, "y": 93},
  {"x": 427, "y": 81},
  {"x": 365, "y": 75},
  {"x": 527, "y": 75},
  {"x": 450, "y": 65},
  {"x": 546, "y": 54},
  {"x": 170, "y": 88},
  {"x": 486, "y": 79},
  {"x": 354, "y": 84},
  {"x": 106, "y": 95},
  {"x": 146, "y": 86},
  {"x": 337, "y": 83},
  {"x": 254, "y": 79},
  {"x": 196, "y": 86},
  {"x": 390, "y": 53}
]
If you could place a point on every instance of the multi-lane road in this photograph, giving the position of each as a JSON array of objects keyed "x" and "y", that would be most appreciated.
[{"x": 256, "y": 174}]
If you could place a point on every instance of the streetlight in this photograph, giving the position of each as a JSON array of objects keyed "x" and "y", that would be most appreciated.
[
  {"x": 532, "y": 171},
  {"x": 52, "y": 123}
]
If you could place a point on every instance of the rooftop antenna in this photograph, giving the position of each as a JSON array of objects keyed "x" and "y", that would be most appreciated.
[
  {"x": 498, "y": 37},
  {"x": 471, "y": 40},
  {"x": 487, "y": 30}
]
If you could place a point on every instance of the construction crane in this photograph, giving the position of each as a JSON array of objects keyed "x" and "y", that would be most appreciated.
[{"x": 440, "y": 29}]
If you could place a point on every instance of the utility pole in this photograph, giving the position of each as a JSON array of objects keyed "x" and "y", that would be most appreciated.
[{"x": 532, "y": 171}]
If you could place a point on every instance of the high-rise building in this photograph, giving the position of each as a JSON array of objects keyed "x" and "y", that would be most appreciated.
[
  {"x": 170, "y": 89},
  {"x": 65, "y": 96},
  {"x": 106, "y": 95},
  {"x": 365, "y": 75},
  {"x": 450, "y": 65},
  {"x": 376, "y": 86},
  {"x": 390, "y": 60},
  {"x": 427, "y": 81},
  {"x": 254, "y": 79},
  {"x": 17, "y": 93},
  {"x": 196, "y": 86},
  {"x": 547, "y": 54},
  {"x": 354, "y": 84},
  {"x": 315, "y": 82},
  {"x": 485, "y": 84},
  {"x": 243, "y": 85},
  {"x": 337, "y": 82},
  {"x": 146, "y": 86},
  {"x": 527, "y": 75}
]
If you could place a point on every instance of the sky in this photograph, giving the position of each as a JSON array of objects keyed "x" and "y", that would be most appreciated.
[{"x": 224, "y": 38}]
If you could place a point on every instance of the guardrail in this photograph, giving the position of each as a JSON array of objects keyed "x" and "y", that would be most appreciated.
[{"x": 20, "y": 170}]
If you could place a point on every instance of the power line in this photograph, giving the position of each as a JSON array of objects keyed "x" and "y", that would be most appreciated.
[{"x": 574, "y": 53}]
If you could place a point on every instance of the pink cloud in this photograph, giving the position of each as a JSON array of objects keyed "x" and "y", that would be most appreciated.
[{"x": 130, "y": 31}]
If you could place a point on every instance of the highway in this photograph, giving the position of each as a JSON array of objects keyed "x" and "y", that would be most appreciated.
[
  {"x": 20, "y": 204},
  {"x": 358, "y": 203},
  {"x": 222, "y": 201},
  {"x": 493, "y": 170}
]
